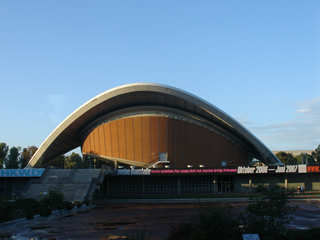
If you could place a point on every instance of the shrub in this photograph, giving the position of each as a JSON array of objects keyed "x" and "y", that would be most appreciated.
[
  {"x": 77, "y": 203},
  {"x": 45, "y": 211},
  {"x": 5, "y": 211},
  {"x": 87, "y": 202},
  {"x": 54, "y": 200},
  {"x": 29, "y": 206},
  {"x": 268, "y": 215},
  {"x": 68, "y": 205},
  {"x": 29, "y": 214}
]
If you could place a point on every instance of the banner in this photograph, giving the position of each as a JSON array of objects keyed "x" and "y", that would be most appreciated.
[{"x": 29, "y": 172}]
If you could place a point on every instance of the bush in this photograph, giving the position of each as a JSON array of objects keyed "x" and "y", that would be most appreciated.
[
  {"x": 6, "y": 210},
  {"x": 45, "y": 211},
  {"x": 77, "y": 203},
  {"x": 29, "y": 214},
  {"x": 29, "y": 206},
  {"x": 87, "y": 202},
  {"x": 268, "y": 215},
  {"x": 54, "y": 200},
  {"x": 68, "y": 205}
]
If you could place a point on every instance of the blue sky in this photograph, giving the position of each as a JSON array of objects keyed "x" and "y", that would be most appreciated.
[{"x": 258, "y": 61}]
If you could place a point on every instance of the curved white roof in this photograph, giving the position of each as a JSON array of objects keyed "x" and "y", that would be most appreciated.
[{"x": 69, "y": 134}]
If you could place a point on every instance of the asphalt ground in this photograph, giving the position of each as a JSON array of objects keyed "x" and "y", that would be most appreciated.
[{"x": 118, "y": 218}]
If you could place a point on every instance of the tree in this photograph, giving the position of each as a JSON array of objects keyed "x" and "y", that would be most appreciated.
[
  {"x": 3, "y": 153},
  {"x": 286, "y": 158},
  {"x": 26, "y": 155},
  {"x": 268, "y": 215},
  {"x": 309, "y": 157},
  {"x": 59, "y": 161},
  {"x": 73, "y": 161},
  {"x": 316, "y": 154},
  {"x": 12, "y": 160}
]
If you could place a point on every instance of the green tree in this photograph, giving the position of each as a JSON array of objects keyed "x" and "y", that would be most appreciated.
[
  {"x": 26, "y": 155},
  {"x": 316, "y": 154},
  {"x": 3, "y": 153},
  {"x": 13, "y": 158},
  {"x": 268, "y": 215},
  {"x": 73, "y": 161},
  {"x": 59, "y": 161},
  {"x": 311, "y": 160},
  {"x": 286, "y": 158}
]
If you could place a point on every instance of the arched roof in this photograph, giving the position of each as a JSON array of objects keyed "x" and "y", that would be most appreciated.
[{"x": 71, "y": 132}]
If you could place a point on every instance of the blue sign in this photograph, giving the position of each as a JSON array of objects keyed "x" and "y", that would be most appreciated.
[{"x": 29, "y": 172}]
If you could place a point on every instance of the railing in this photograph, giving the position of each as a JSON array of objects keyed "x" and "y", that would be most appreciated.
[
  {"x": 72, "y": 173},
  {"x": 102, "y": 174},
  {"x": 96, "y": 181},
  {"x": 57, "y": 187},
  {"x": 154, "y": 161},
  {"x": 93, "y": 181}
]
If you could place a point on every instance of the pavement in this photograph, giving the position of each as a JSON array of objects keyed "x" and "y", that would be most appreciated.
[{"x": 118, "y": 218}]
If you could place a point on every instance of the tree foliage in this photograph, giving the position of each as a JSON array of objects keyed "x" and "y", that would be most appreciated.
[
  {"x": 59, "y": 161},
  {"x": 53, "y": 200},
  {"x": 3, "y": 153},
  {"x": 307, "y": 156},
  {"x": 316, "y": 154},
  {"x": 268, "y": 215},
  {"x": 27, "y": 154},
  {"x": 73, "y": 161},
  {"x": 286, "y": 158},
  {"x": 13, "y": 158}
]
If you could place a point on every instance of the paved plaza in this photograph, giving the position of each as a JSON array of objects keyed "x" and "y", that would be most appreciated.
[{"x": 115, "y": 220}]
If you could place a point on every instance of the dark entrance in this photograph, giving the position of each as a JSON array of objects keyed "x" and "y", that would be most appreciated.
[{"x": 225, "y": 184}]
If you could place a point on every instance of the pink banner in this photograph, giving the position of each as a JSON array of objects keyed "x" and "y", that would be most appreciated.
[{"x": 188, "y": 171}]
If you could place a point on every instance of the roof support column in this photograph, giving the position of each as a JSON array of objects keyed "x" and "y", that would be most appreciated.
[
  {"x": 116, "y": 167},
  {"x": 143, "y": 180}
]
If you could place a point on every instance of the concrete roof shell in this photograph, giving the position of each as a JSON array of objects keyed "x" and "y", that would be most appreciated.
[{"x": 70, "y": 133}]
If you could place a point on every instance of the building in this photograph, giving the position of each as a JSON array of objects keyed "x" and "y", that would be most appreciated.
[{"x": 165, "y": 140}]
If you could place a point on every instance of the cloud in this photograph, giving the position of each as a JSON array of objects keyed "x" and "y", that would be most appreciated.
[
  {"x": 302, "y": 132},
  {"x": 58, "y": 104},
  {"x": 303, "y": 110}
]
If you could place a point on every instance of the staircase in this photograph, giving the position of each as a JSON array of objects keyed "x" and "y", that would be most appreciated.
[{"x": 75, "y": 184}]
